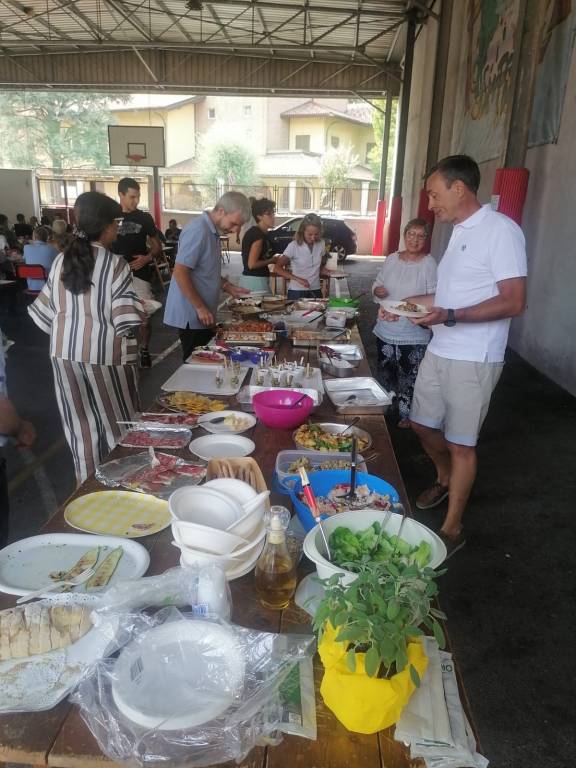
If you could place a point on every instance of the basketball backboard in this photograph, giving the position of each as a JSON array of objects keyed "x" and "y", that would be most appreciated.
[{"x": 136, "y": 145}]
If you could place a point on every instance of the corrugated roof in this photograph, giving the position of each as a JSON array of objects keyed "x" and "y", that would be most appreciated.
[{"x": 360, "y": 37}]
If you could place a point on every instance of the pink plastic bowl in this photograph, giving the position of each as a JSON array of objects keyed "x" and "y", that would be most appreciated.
[{"x": 271, "y": 408}]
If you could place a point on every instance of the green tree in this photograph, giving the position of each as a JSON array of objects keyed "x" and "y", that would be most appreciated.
[
  {"x": 58, "y": 130},
  {"x": 336, "y": 166},
  {"x": 225, "y": 161},
  {"x": 375, "y": 156}
]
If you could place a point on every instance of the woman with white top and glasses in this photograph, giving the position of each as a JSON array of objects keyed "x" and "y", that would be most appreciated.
[
  {"x": 401, "y": 344},
  {"x": 89, "y": 308},
  {"x": 307, "y": 255}
]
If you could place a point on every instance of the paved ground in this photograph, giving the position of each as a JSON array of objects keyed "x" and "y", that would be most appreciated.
[{"x": 508, "y": 595}]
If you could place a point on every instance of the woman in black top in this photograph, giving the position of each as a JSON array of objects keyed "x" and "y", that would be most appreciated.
[{"x": 257, "y": 249}]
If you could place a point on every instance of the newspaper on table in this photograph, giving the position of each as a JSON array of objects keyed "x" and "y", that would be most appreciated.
[
  {"x": 298, "y": 702},
  {"x": 434, "y": 723}
]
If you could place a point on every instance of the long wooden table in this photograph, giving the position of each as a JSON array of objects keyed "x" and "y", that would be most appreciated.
[{"x": 60, "y": 737}]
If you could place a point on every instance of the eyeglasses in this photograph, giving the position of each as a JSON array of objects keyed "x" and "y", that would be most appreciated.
[{"x": 416, "y": 235}]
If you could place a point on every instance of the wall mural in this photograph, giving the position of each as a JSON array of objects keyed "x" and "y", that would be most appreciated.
[
  {"x": 491, "y": 31},
  {"x": 554, "y": 55}
]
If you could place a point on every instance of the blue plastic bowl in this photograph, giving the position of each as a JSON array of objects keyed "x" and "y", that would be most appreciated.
[
  {"x": 322, "y": 482},
  {"x": 238, "y": 355}
]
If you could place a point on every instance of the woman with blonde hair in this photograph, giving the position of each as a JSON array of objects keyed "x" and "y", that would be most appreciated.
[
  {"x": 307, "y": 257},
  {"x": 90, "y": 310}
]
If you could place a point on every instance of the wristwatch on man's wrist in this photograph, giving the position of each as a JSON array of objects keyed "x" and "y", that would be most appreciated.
[{"x": 451, "y": 321}]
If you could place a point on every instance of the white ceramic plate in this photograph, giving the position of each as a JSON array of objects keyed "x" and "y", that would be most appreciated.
[
  {"x": 392, "y": 306},
  {"x": 179, "y": 675},
  {"x": 26, "y": 565},
  {"x": 220, "y": 428},
  {"x": 225, "y": 446}
]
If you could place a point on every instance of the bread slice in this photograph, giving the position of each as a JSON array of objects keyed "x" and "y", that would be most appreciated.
[{"x": 38, "y": 628}]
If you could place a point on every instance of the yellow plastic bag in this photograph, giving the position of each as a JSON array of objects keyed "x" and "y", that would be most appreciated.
[{"x": 365, "y": 704}]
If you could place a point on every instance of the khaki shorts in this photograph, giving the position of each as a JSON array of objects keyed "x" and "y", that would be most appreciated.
[
  {"x": 143, "y": 290},
  {"x": 453, "y": 396}
]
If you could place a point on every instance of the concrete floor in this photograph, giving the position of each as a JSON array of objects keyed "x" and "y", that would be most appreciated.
[{"x": 508, "y": 594}]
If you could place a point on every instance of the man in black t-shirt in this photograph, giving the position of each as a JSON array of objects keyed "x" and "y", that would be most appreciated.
[
  {"x": 138, "y": 242},
  {"x": 21, "y": 229}
]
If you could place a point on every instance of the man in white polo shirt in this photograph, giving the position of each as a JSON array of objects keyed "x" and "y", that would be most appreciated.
[{"x": 481, "y": 285}]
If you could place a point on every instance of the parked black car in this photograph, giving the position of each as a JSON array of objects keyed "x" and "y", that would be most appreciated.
[{"x": 342, "y": 238}]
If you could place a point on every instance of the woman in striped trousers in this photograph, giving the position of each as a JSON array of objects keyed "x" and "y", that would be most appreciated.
[{"x": 90, "y": 310}]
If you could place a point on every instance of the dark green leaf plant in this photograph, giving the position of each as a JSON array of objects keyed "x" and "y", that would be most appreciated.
[{"x": 387, "y": 606}]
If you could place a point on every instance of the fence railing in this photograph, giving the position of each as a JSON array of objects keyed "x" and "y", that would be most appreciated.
[{"x": 180, "y": 193}]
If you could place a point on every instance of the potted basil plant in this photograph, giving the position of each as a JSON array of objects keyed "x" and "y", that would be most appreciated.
[{"x": 369, "y": 641}]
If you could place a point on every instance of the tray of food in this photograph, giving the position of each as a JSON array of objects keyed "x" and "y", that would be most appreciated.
[
  {"x": 206, "y": 356},
  {"x": 327, "y": 437},
  {"x": 244, "y": 397},
  {"x": 146, "y": 435},
  {"x": 173, "y": 418},
  {"x": 190, "y": 403},
  {"x": 245, "y": 307},
  {"x": 305, "y": 337},
  {"x": 289, "y": 462},
  {"x": 358, "y": 395},
  {"x": 157, "y": 473},
  {"x": 247, "y": 332},
  {"x": 290, "y": 376},
  {"x": 221, "y": 380},
  {"x": 350, "y": 352}
]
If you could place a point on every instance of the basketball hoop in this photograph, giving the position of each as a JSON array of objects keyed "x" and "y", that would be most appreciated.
[{"x": 135, "y": 158}]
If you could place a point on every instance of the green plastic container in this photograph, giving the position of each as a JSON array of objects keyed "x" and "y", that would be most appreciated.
[{"x": 333, "y": 303}]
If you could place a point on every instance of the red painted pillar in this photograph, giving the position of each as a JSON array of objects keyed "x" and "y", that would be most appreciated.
[
  {"x": 157, "y": 200},
  {"x": 378, "y": 244},
  {"x": 509, "y": 192},
  {"x": 393, "y": 239},
  {"x": 425, "y": 213}
]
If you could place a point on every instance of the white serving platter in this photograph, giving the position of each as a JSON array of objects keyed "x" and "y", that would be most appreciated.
[
  {"x": 26, "y": 565},
  {"x": 226, "y": 446},
  {"x": 205, "y": 422},
  {"x": 200, "y": 378}
]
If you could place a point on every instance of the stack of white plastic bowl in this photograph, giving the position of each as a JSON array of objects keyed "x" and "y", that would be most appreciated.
[{"x": 220, "y": 522}]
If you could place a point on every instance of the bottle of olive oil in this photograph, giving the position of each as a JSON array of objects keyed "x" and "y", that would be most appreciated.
[{"x": 275, "y": 570}]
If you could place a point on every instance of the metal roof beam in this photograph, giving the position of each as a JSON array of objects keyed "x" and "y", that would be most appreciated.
[
  {"x": 176, "y": 22},
  {"x": 37, "y": 17},
  {"x": 29, "y": 71},
  {"x": 329, "y": 31},
  {"x": 323, "y": 9},
  {"x": 238, "y": 15},
  {"x": 222, "y": 27},
  {"x": 215, "y": 48},
  {"x": 117, "y": 6},
  {"x": 147, "y": 67}
]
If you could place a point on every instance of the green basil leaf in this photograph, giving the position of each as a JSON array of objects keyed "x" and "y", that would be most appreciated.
[{"x": 372, "y": 662}]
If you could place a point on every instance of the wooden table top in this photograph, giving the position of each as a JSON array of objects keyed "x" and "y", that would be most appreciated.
[{"x": 60, "y": 737}]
